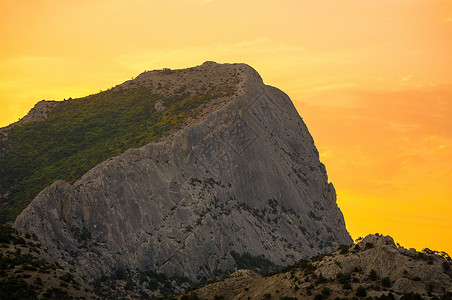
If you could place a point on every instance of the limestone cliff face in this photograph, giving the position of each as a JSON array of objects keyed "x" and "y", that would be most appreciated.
[{"x": 245, "y": 177}]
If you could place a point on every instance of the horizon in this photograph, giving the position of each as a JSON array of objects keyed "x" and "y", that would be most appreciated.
[{"x": 372, "y": 80}]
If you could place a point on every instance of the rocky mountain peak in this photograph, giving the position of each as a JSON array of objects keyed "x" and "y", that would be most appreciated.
[
  {"x": 196, "y": 80},
  {"x": 238, "y": 177}
]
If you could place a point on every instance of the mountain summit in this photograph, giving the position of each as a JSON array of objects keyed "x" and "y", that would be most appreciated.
[{"x": 219, "y": 167}]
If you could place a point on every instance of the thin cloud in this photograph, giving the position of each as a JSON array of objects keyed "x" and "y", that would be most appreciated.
[
  {"x": 185, "y": 57},
  {"x": 407, "y": 78}
]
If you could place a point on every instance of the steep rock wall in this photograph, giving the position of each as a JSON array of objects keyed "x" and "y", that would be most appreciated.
[{"x": 246, "y": 178}]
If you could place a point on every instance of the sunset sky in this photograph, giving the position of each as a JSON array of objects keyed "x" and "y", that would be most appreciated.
[{"x": 371, "y": 78}]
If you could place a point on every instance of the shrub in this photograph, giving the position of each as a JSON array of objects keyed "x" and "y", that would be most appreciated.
[
  {"x": 119, "y": 274},
  {"x": 343, "y": 248},
  {"x": 347, "y": 286},
  {"x": 446, "y": 266},
  {"x": 361, "y": 292},
  {"x": 56, "y": 293},
  {"x": 320, "y": 279},
  {"x": 343, "y": 278},
  {"x": 38, "y": 281},
  {"x": 369, "y": 245},
  {"x": 67, "y": 277},
  {"x": 411, "y": 296},
  {"x": 259, "y": 264},
  {"x": 386, "y": 282},
  {"x": 373, "y": 275},
  {"x": 129, "y": 285},
  {"x": 326, "y": 292},
  {"x": 389, "y": 296},
  {"x": 13, "y": 288},
  {"x": 191, "y": 296}
]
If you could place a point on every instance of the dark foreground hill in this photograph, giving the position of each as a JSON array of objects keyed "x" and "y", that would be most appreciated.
[
  {"x": 373, "y": 268},
  {"x": 181, "y": 172}
]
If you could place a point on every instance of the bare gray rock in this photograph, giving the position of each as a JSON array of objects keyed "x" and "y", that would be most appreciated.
[{"x": 246, "y": 177}]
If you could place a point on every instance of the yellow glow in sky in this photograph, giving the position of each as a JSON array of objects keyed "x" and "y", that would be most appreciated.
[{"x": 371, "y": 78}]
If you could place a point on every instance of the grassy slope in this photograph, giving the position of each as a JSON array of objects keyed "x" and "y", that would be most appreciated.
[{"x": 81, "y": 133}]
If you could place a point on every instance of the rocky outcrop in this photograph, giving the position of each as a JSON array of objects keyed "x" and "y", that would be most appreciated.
[
  {"x": 374, "y": 267},
  {"x": 37, "y": 113},
  {"x": 245, "y": 177},
  {"x": 407, "y": 270}
]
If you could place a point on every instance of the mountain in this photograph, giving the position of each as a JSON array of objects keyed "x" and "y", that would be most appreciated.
[
  {"x": 188, "y": 173},
  {"x": 373, "y": 268}
]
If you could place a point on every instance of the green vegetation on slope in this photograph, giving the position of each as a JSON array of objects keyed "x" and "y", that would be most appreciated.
[
  {"x": 137, "y": 284},
  {"x": 259, "y": 264},
  {"x": 81, "y": 133}
]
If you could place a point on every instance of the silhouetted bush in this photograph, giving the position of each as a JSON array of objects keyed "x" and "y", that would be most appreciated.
[
  {"x": 326, "y": 292},
  {"x": 344, "y": 248},
  {"x": 373, "y": 275},
  {"x": 361, "y": 292},
  {"x": 369, "y": 245},
  {"x": 386, "y": 282},
  {"x": 14, "y": 288},
  {"x": 446, "y": 266},
  {"x": 411, "y": 296}
]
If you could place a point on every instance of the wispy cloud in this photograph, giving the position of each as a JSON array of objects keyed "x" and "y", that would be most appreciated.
[{"x": 407, "y": 78}]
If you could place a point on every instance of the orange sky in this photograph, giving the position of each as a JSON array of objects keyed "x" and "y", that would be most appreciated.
[{"x": 371, "y": 78}]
